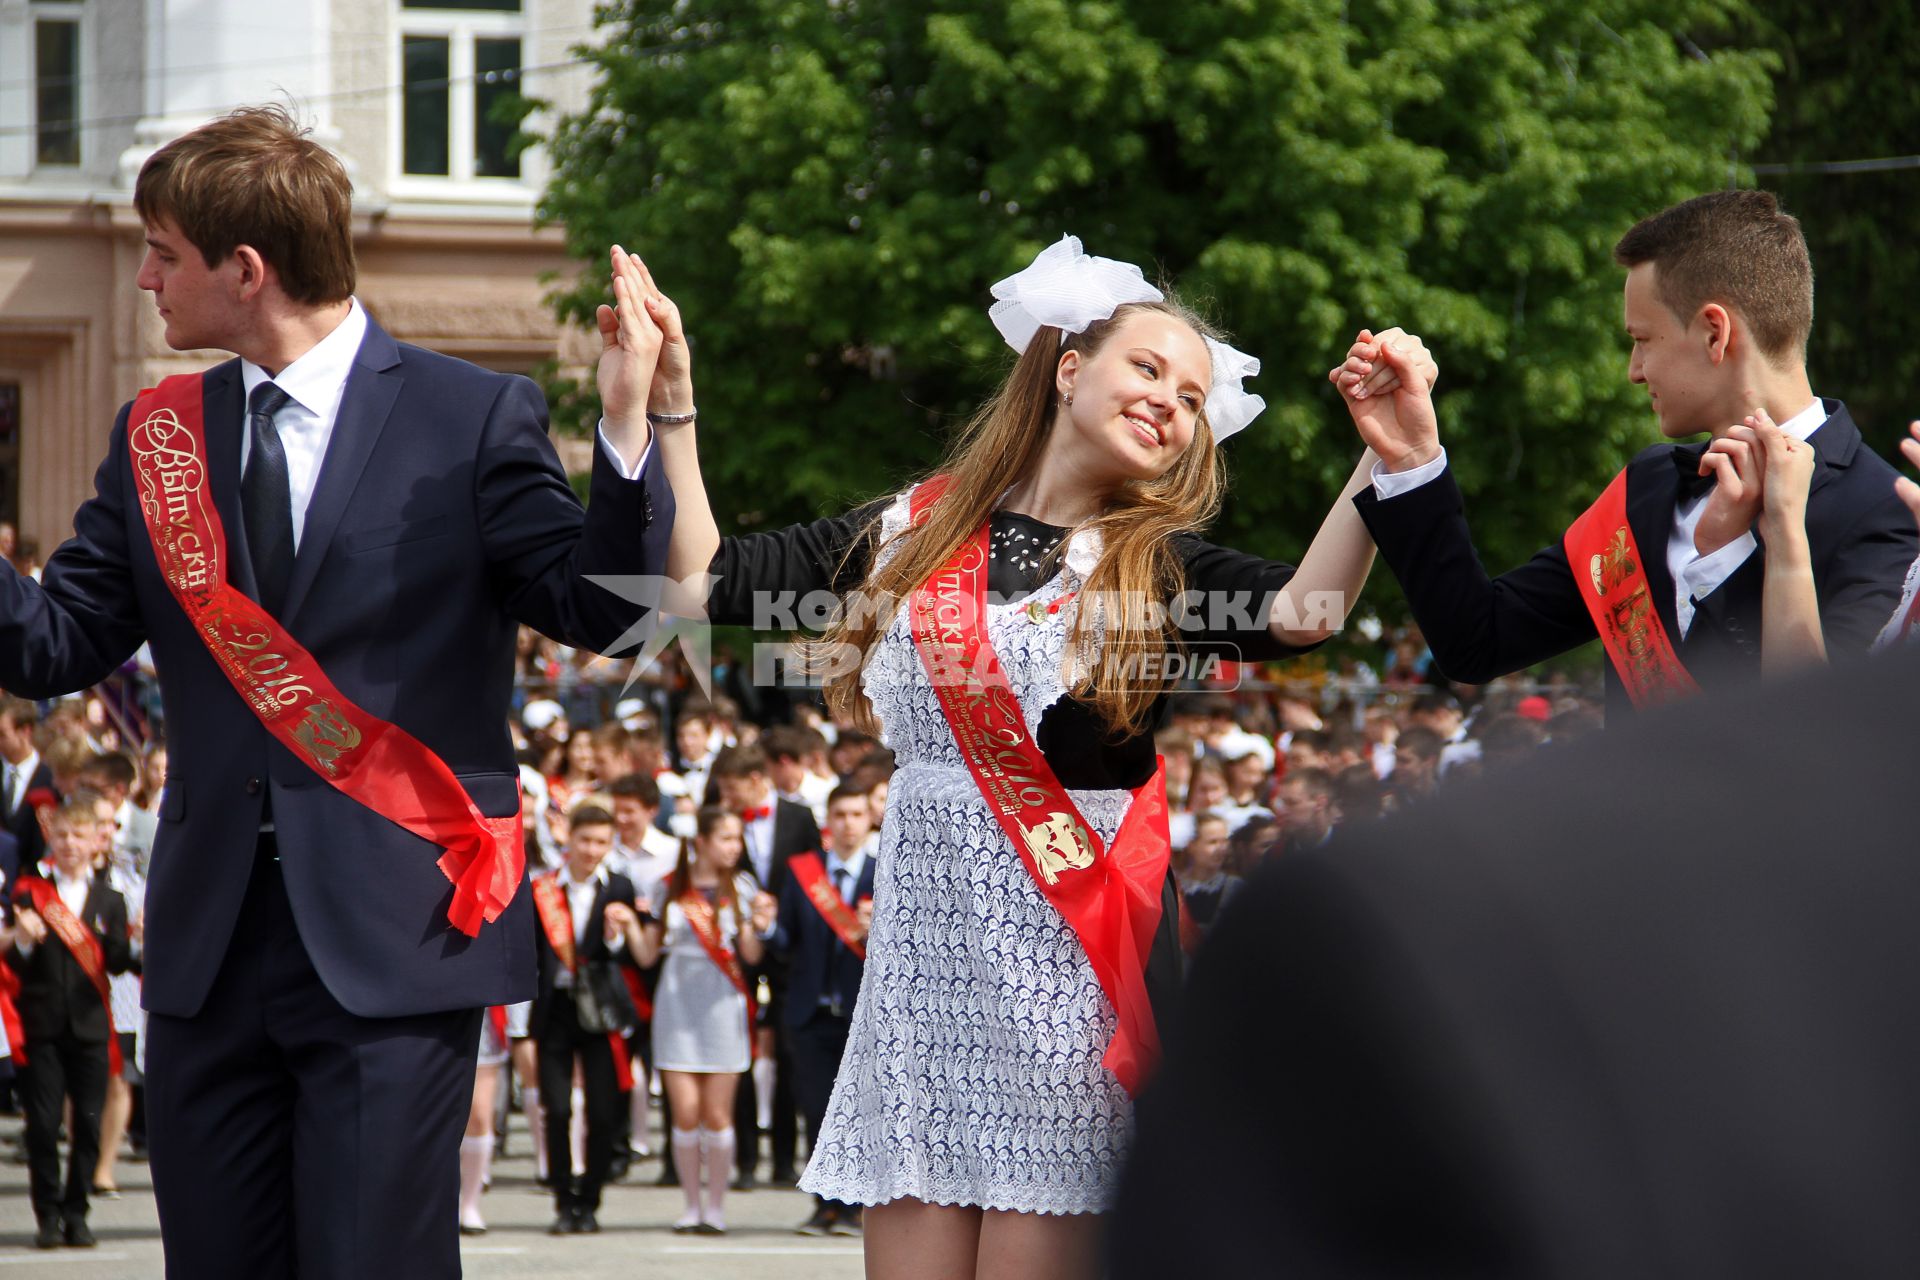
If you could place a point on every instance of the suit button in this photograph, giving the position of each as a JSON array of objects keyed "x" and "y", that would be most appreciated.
[{"x": 253, "y": 786}]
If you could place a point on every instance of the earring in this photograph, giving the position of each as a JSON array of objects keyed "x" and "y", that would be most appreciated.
[{"x": 1069, "y": 397}]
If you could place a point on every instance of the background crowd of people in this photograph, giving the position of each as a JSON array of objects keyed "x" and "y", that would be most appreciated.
[{"x": 686, "y": 785}]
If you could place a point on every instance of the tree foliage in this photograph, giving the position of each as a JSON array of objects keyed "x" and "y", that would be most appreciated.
[
  {"x": 1847, "y": 91},
  {"x": 828, "y": 188}
]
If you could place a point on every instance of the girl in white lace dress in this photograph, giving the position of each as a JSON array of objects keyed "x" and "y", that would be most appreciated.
[{"x": 972, "y": 1107}]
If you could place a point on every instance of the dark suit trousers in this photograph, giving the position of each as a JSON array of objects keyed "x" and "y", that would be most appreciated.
[
  {"x": 289, "y": 1137},
  {"x": 816, "y": 1047},
  {"x": 56, "y": 1069},
  {"x": 562, "y": 1041},
  {"x": 784, "y": 1138}
]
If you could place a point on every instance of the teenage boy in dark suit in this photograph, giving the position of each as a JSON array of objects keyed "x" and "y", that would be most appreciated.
[
  {"x": 824, "y": 967},
  {"x": 69, "y": 933}
]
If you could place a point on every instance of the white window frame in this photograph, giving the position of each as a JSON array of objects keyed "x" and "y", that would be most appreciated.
[
  {"x": 19, "y": 85},
  {"x": 460, "y": 28}
]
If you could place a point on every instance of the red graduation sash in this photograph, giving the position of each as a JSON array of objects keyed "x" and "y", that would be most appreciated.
[
  {"x": 10, "y": 1015},
  {"x": 556, "y": 918},
  {"x": 556, "y": 921},
  {"x": 497, "y": 1015},
  {"x": 378, "y": 764},
  {"x": 826, "y": 899},
  {"x": 1608, "y": 569},
  {"x": 1109, "y": 897},
  {"x": 85, "y": 948},
  {"x": 704, "y": 921}
]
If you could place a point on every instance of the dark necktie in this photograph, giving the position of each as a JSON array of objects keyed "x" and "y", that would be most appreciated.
[
  {"x": 840, "y": 877},
  {"x": 266, "y": 498},
  {"x": 1686, "y": 460}
]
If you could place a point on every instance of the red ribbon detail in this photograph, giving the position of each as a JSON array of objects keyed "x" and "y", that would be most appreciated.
[{"x": 378, "y": 764}]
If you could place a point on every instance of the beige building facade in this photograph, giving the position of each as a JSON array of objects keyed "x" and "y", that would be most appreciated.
[{"x": 402, "y": 90}]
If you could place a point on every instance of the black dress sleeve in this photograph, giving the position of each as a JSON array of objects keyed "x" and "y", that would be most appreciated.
[
  {"x": 830, "y": 554},
  {"x": 1229, "y": 594}
]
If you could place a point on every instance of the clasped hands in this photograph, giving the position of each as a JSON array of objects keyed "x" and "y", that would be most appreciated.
[
  {"x": 645, "y": 366},
  {"x": 1387, "y": 383}
]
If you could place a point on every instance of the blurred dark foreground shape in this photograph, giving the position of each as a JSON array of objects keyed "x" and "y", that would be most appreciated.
[{"x": 1647, "y": 1006}]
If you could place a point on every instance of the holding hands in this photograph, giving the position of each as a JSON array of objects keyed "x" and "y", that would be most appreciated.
[
  {"x": 1387, "y": 382},
  {"x": 1761, "y": 475},
  {"x": 645, "y": 367}
]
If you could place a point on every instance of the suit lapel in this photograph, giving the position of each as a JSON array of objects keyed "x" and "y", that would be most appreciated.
[
  {"x": 1653, "y": 491},
  {"x": 224, "y": 410},
  {"x": 371, "y": 389},
  {"x": 1835, "y": 442}
]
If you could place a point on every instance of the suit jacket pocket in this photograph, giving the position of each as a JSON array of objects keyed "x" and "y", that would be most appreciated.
[
  {"x": 388, "y": 535},
  {"x": 495, "y": 794}
]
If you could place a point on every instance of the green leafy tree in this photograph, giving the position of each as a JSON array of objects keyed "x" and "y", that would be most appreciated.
[
  {"x": 1849, "y": 89},
  {"x": 828, "y": 188}
]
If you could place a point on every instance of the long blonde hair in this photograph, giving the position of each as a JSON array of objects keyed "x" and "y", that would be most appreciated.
[{"x": 1002, "y": 444}]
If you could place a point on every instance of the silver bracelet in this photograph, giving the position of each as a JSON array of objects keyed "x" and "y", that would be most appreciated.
[{"x": 672, "y": 419}]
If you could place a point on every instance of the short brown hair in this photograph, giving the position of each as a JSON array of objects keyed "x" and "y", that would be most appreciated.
[
  {"x": 256, "y": 178},
  {"x": 740, "y": 762},
  {"x": 1734, "y": 247}
]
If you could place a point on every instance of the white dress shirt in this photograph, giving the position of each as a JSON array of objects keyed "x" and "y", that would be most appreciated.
[
  {"x": 759, "y": 836},
  {"x": 1695, "y": 576},
  {"x": 17, "y": 777},
  {"x": 580, "y": 896},
  {"x": 315, "y": 384},
  {"x": 852, "y": 865}
]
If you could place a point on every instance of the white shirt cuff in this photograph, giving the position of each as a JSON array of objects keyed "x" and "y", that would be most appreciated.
[
  {"x": 619, "y": 463},
  {"x": 1701, "y": 576},
  {"x": 1391, "y": 484}
]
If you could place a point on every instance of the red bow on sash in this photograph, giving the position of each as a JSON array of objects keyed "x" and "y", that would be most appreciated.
[{"x": 380, "y": 765}]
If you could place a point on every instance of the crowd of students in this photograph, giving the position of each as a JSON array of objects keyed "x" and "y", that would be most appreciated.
[{"x": 670, "y": 834}]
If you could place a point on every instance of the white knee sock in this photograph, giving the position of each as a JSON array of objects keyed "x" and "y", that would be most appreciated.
[
  {"x": 475, "y": 1155},
  {"x": 686, "y": 1162},
  {"x": 537, "y": 1124},
  {"x": 642, "y": 1140},
  {"x": 763, "y": 1069},
  {"x": 716, "y": 1162},
  {"x": 578, "y": 1133}
]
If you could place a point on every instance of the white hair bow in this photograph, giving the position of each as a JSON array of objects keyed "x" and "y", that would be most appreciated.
[{"x": 1067, "y": 288}]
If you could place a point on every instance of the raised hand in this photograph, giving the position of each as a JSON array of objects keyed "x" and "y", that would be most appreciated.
[
  {"x": 1738, "y": 466},
  {"x": 1387, "y": 383},
  {"x": 1788, "y": 474},
  {"x": 630, "y": 343},
  {"x": 672, "y": 389},
  {"x": 1909, "y": 491}
]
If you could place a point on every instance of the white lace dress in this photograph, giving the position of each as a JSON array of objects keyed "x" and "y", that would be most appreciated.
[{"x": 972, "y": 1072}]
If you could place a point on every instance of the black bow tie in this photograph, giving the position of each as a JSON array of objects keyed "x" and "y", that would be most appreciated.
[{"x": 1686, "y": 460}]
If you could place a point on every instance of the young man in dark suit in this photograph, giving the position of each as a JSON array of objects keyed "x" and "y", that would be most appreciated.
[
  {"x": 826, "y": 907},
  {"x": 775, "y": 830},
  {"x": 22, "y": 772},
  {"x": 1718, "y": 305},
  {"x": 341, "y": 538},
  {"x": 586, "y": 920},
  {"x": 69, "y": 934}
]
